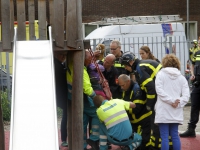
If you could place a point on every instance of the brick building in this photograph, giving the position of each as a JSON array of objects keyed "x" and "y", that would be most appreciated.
[{"x": 94, "y": 10}]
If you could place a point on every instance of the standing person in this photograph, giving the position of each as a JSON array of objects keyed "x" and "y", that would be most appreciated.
[
  {"x": 111, "y": 74},
  {"x": 172, "y": 95},
  {"x": 115, "y": 49},
  {"x": 88, "y": 110},
  {"x": 145, "y": 72},
  {"x": 61, "y": 92},
  {"x": 145, "y": 53},
  {"x": 115, "y": 125},
  {"x": 195, "y": 103},
  {"x": 139, "y": 117},
  {"x": 193, "y": 50}
]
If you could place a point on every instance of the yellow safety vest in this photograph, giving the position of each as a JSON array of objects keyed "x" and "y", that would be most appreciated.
[{"x": 113, "y": 112}]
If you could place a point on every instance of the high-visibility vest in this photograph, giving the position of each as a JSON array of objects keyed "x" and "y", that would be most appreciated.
[{"x": 113, "y": 112}]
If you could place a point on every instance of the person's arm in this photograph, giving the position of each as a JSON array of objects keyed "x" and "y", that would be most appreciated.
[
  {"x": 192, "y": 73},
  {"x": 132, "y": 105},
  {"x": 160, "y": 91},
  {"x": 87, "y": 87}
]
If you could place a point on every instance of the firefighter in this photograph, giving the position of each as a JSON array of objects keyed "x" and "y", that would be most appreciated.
[
  {"x": 193, "y": 50},
  {"x": 88, "y": 95},
  {"x": 139, "y": 117},
  {"x": 195, "y": 103},
  {"x": 115, "y": 126},
  {"x": 145, "y": 72}
]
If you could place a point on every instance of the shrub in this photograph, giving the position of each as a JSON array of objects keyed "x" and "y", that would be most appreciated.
[{"x": 5, "y": 105}]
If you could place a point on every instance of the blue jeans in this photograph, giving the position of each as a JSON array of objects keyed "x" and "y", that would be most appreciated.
[{"x": 165, "y": 130}]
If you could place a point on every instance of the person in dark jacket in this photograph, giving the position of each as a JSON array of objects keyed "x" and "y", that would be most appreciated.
[
  {"x": 139, "y": 117},
  {"x": 111, "y": 74},
  {"x": 61, "y": 92},
  {"x": 145, "y": 72}
]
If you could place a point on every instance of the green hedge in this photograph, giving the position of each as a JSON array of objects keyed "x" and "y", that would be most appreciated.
[{"x": 5, "y": 105}]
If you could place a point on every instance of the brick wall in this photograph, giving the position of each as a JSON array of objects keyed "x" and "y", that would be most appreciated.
[{"x": 95, "y": 10}]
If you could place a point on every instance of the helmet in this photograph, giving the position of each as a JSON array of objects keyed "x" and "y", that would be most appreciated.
[
  {"x": 194, "y": 42},
  {"x": 126, "y": 57}
]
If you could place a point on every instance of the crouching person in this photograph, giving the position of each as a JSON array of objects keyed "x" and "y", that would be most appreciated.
[{"x": 115, "y": 126}]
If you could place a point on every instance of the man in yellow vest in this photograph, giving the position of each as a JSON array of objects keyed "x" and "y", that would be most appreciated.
[
  {"x": 193, "y": 50},
  {"x": 115, "y": 126}
]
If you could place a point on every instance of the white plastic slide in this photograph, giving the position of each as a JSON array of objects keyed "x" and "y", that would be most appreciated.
[{"x": 33, "y": 112}]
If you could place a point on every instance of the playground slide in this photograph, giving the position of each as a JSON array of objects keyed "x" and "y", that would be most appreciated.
[{"x": 33, "y": 118}]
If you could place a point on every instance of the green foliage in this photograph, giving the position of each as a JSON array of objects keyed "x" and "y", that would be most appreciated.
[
  {"x": 5, "y": 105},
  {"x": 59, "y": 112}
]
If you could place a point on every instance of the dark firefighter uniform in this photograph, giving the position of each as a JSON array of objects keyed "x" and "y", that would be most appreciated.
[
  {"x": 195, "y": 102},
  {"x": 139, "y": 117},
  {"x": 145, "y": 72},
  {"x": 120, "y": 68}
]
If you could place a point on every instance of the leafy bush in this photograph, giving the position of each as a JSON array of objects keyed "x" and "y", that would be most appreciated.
[
  {"x": 59, "y": 112},
  {"x": 5, "y": 105}
]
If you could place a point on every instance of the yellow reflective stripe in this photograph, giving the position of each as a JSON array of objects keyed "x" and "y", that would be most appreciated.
[
  {"x": 95, "y": 126},
  {"x": 116, "y": 122},
  {"x": 131, "y": 94},
  {"x": 123, "y": 94},
  {"x": 153, "y": 138},
  {"x": 155, "y": 70},
  {"x": 145, "y": 82},
  {"x": 139, "y": 131},
  {"x": 151, "y": 96},
  {"x": 103, "y": 137},
  {"x": 118, "y": 65},
  {"x": 115, "y": 115},
  {"x": 142, "y": 117},
  {"x": 139, "y": 101},
  {"x": 197, "y": 58}
]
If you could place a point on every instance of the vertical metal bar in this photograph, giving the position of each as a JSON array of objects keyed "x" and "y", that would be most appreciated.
[
  {"x": 170, "y": 44},
  {"x": 8, "y": 76},
  {"x": 188, "y": 29},
  {"x": 2, "y": 135}
]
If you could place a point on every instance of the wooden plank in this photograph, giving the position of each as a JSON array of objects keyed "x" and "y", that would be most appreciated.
[
  {"x": 74, "y": 24},
  {"x": 5, "y": 24},
  {"x": 31, "y": 16},
  {"x": 21, "y": 20},
  {"x": 59, "y": 22},
  {"x": 12, "y": 19},
  {"x": 51, "y": 13},
  {"x": 42, "y": 19}
]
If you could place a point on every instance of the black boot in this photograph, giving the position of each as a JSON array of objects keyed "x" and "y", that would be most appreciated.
[
  {"x": 93, "y": 144},
  {"x": 189, "y": 133}
]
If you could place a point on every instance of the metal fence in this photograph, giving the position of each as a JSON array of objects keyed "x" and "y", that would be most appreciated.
[{"x": 159, "y": 46}]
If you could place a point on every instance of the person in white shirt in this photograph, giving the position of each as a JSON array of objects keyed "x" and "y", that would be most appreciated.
[{"x": 172, "y": 95}]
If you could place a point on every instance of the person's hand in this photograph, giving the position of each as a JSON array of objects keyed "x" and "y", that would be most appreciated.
[
  {"x": 175, "y": 104},
  {"x": 97, "y": 53},
  {"x": 192, "y": 77}
]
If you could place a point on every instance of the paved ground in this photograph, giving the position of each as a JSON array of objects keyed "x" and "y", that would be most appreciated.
[{"x": 186, "y": 143}]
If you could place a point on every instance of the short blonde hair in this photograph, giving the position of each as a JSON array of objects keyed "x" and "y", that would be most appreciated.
[{"x": 170, "y": 60}]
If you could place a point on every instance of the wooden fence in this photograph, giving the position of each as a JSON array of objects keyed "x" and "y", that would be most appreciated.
[{"x": 56, "y": 17}]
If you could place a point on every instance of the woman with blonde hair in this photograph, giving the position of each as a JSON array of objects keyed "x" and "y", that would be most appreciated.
[
  {"x": 172, "y": 95},
  {"x": 145, "y": 53}
]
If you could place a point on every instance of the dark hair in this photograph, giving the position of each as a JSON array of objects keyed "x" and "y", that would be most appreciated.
[
  {"x": 98, "y": 99},
  {"x": 147, "y": 50},
  {"x": 170, "y": 60}
]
